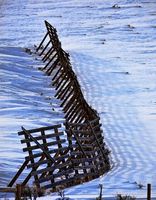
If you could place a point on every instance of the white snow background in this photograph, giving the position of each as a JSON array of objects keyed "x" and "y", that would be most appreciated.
[{"x": 113, "y": 53}]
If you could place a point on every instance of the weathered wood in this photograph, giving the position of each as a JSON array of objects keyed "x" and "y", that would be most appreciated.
[
  {"x": 69, "y": 96},
  {"x": 40, "y": 129},
  {"x": 50, "y": 61},
  {"x": 86, "y": 147},
  {"x": 36, "y": 155},
  {"x": 74, "y": 101},
  {"x": 61, "y": 79},
  {"x": 70, "y": 102},
  {"x": 47, "y": 161},
  {"x": 30, "y": 174},
  {"x": 66, "y": 90},
  {"x": 83, "y": 167},
  {"x": 11, "y": 183},
  {"x": 30, "y": 148},
  {"x": 26, "y": 135},
  {"x": 80, "y": 153},
  {"x": 43, "y": 50},
  {"x": 54, "y": 65},
  {"x": 71, "y": 112},
  {"x": 60, "y": 68},
  {"x": 148, "y": 191},
  {"x": 7, "y": 189},
  {"x": 59, "y": 174},
  {"x": 48, "y": 53},
  {"x": 42, "y": 146},
  {"x": 75, "y": 125},
  {"x": 86, "y": 133},
  {"x": 77, "y": 140},
  {"x": 42, "y": 42},
  {"x": 61, "y": 183},
  {"x": 48, "y": 169},
  {"x": 56, "y": 81},
  {"x": 62, "y": 88},
  {"x": 83, "y": 160},
  {"x": 18, "y": 193},
  {"x": 76, "y": 114},
  {"x": 79, "y": 116},
  {"x": 46, "y": 136}
]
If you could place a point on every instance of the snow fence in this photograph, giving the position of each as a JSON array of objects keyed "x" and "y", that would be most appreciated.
[{"x": 63, "y": 156}]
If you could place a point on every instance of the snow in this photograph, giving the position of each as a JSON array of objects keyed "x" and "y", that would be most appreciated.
[{"x": 113, "y": 53}]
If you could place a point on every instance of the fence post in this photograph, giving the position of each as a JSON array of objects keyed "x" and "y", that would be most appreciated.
[
  {"x": 148, "y": 191},
  {"x": 18, "y": 192}
]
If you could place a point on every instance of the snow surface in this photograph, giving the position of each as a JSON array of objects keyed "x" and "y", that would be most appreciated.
[{"x": 113, "y": 53}]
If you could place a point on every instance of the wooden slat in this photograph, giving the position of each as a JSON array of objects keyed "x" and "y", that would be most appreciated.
[
  {"x": 68, "y": 97},
  {"x": 83, "y": 167},
  {"x": 60, "y": 68},
  {"x": 51, "y": 54},
  {"x": 43, "y": 145},
  {"x": 71, "y": 113},
  {"x": 59, "y": 174},
  {"x": 85, "y": 139},
  {"x": 56, "y": 81},
  {"x": 77, "y": 140},
  {"x": 59, "y": 89},
  {"x": 95, "y": 120},
  {"x": 76, "y": 115},
  {"x": 36, "y": 155},
  {"x": 62, "y": 182},
  {"x": 29, "y": 175},
  {"x": 52, "y": 67},
  {"x": 85, "y": 146},
  {"x": 63, "y": 88},
  {"x": 81, "y": 119},
  {"x": 70, "y": 102},
  {"x": 39, "y": 163},
  {"x": 7, "y": 190},
  {"x": 42, "y": 42},
  {"x": 48, "y": 169},
  {"x": 50, "y": 61},
  {"x": 85, "y": 133},
  {"x": 48, "y": 53},
  {"x": 83, "y": 160},
  {"x": 18, "y": 173},
  {"x": 42, "y": 137},
  {"x": 39, "y": 129},
  {"x": 32, "y": 159},
  {"x": 74, "y": 101},
  {"x": 43, "y": 50},
  {"x": 61, "y": 80},
  {"x": 79, "y": 116}
]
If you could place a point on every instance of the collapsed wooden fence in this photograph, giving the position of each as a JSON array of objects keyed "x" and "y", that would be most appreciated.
[{"x": 69, "y": 155}]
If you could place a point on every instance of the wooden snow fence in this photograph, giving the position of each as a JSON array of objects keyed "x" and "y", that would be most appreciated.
[
  {"x": 61, "y": 156},
  {"x": 58, "y": 66}
]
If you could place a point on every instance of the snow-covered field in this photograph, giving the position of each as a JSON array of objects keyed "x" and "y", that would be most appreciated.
[{"x": 113, "y": 53}]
